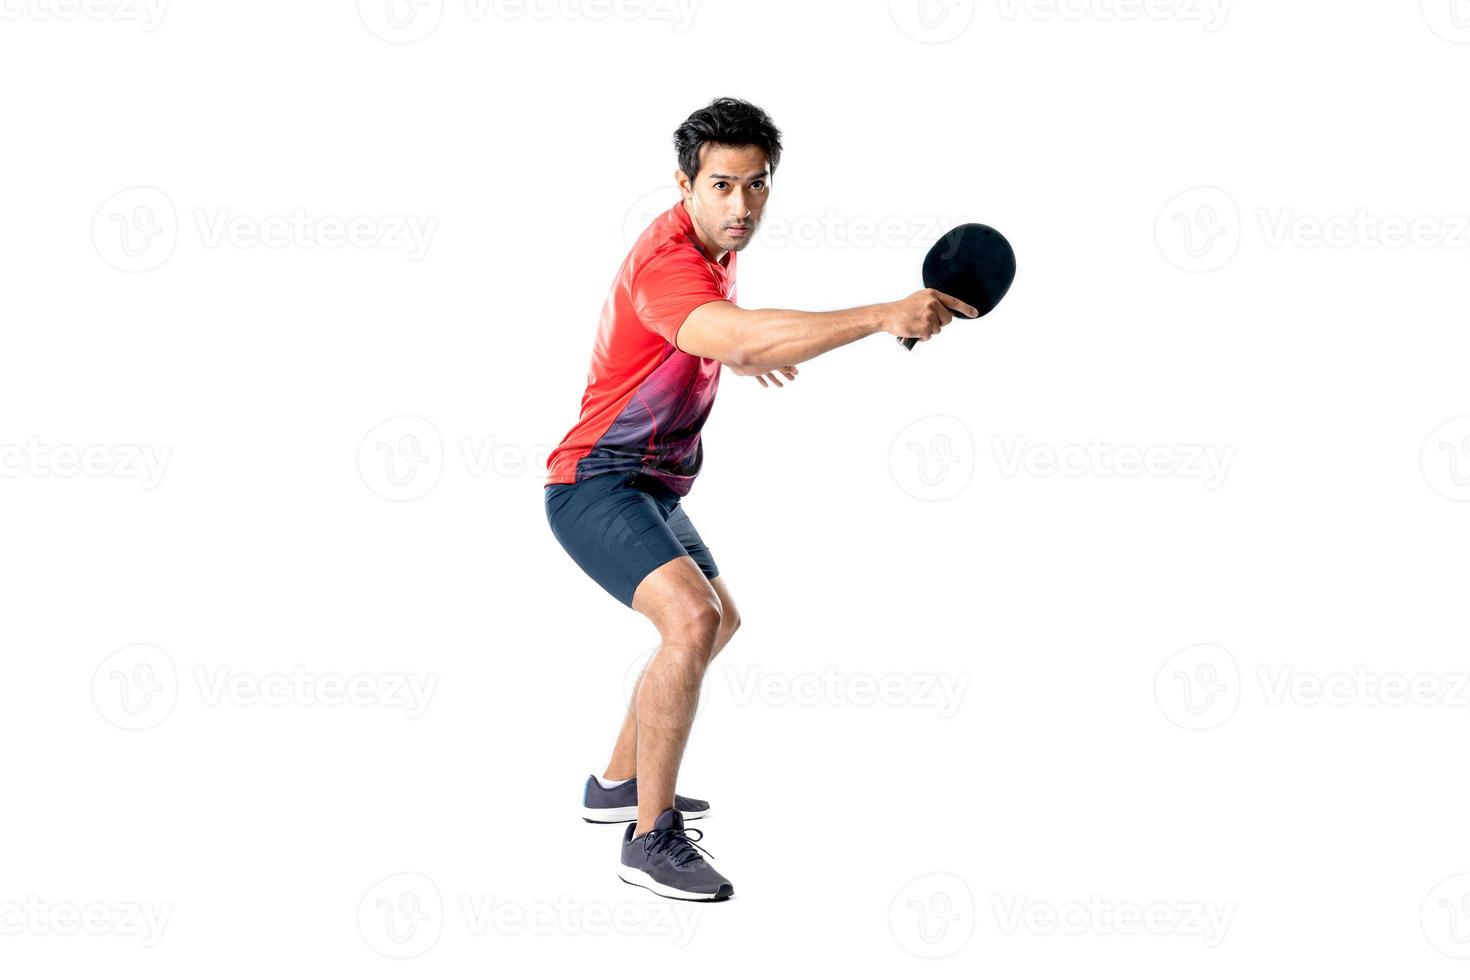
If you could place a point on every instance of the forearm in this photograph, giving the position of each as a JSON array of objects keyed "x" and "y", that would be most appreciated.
[{"x": 776, "y": 338}]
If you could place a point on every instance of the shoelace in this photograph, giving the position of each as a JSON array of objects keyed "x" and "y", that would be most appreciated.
[{"x": 676, "y": 843}]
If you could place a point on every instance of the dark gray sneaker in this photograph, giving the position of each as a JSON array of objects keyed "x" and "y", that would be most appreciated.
[
  {"x": 620, "y": 804},
  {"x": 667, "y": 862}
]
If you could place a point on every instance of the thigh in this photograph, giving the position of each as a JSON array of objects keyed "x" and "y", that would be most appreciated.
[
  {"x": 672, "y": 594},
  {"x": 691, "y": 542},
  {"x": 614, "y": 531}
]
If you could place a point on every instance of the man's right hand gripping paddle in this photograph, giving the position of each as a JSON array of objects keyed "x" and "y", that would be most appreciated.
[{"x": 972, "y": 264}]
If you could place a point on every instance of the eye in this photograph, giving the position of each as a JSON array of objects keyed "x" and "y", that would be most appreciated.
[
  {"x": 758, "y": 184},
  {"x": 720, "y": 184}
]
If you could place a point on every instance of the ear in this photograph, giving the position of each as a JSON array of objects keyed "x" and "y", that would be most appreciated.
[{"x": 686, "y": 185}]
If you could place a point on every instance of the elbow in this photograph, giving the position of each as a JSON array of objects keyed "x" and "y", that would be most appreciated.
[
  {"x": 736, "y": 360},
  {"x": 739, "y": 351}
]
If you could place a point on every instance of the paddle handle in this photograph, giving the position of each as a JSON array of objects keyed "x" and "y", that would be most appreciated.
[{"x": 909, "y": 342}]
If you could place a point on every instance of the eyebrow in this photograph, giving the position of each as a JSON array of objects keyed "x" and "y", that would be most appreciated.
[{"x": 763, "y": 173}]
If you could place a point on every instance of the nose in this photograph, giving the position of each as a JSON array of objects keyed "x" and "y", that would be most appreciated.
[{"x": 742, "y": 210}]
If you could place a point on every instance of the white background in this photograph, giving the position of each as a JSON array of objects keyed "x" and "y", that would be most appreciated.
[{"x": 355, "y": 433}]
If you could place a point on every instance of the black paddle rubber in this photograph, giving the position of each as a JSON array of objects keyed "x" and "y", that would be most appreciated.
[{"x": 972, "y": 262}]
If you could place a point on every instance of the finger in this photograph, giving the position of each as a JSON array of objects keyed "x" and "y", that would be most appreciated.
[
  {"x": 775, "y": 380},
  {"x": 761, "y": 380},
  {"x": 790, "y": 373},
  {"x": 958, "y": 304}
]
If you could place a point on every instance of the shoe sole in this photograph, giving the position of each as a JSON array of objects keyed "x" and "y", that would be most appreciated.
[
  {"x": 643, "y": 879},
  {"x": 628, "y": 814}
]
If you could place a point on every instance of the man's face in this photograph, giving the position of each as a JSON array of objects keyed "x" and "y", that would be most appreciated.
[{"x": 727, "y": 197}]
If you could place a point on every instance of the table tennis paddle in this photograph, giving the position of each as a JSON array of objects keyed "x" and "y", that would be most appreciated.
[{"x": 971, "y": 262}]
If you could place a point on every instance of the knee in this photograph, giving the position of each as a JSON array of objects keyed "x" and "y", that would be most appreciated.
[
  {"x": 696, "y": 621},
  {"x": 729, "y": 621}
]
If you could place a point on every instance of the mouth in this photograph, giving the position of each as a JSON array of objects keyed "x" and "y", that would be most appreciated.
[{"x": 739, "y": 231}]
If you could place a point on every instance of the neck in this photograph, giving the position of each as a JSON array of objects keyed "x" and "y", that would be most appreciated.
[{"x": 714, "y": 253}]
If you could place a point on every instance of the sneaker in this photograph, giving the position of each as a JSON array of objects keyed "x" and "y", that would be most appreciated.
[
  {"x": 620, "y": 804},
  {"x": 667, "y": 862}
]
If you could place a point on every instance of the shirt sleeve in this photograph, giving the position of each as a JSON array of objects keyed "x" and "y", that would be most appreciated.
[{"x": 669, "y": 287}]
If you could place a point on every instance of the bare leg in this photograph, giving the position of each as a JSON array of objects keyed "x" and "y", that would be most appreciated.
[
  {"x": 686, "y": 610},
  {"x": 624, "y": 762}
]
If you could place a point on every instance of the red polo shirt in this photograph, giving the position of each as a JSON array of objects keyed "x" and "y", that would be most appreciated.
[{"x": 646, "y": 399}]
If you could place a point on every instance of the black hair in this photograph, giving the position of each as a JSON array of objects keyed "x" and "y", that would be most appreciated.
[{"x": 728, "y": 122}]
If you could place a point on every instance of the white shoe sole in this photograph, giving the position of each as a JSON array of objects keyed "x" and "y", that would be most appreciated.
[
  {"x": 627, "y": 814},
  {"x": 644, "y": 880}
]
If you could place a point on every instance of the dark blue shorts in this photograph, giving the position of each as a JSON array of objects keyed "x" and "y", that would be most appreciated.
[{"x": 618, "y": 527}]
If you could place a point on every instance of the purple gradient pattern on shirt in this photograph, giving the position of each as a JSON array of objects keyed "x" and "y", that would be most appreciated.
[{"x": 657, "y": 432}]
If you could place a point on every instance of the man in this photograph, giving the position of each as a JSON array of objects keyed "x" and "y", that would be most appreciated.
[{"x": 615, "y": 483}]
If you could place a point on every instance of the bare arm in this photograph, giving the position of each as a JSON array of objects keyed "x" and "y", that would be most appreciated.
[{"x": 751, "y": 340}]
